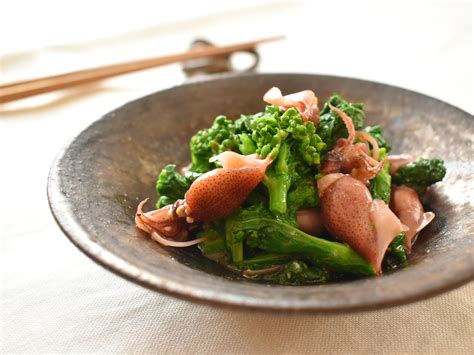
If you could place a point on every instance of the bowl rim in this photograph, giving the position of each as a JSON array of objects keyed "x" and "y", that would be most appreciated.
[{"x": 71, "y": 227}]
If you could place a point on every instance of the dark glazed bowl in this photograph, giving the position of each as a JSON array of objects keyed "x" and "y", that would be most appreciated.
[{"x": 98, "y": 179}]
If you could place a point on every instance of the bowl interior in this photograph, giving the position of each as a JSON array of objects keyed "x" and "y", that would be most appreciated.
[{"x": 99, "y": 178}]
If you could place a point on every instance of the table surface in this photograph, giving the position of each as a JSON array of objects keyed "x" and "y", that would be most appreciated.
[{"x": 54, "y": 299}]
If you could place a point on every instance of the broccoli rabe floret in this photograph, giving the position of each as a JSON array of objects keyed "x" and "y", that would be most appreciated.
[
  {"x": 208, "y": 142},
  {"x": 303, "y": 194},
  {"x": 172, "y": 186},
  {"x": 420, "y": 174},
  {"x": 260, "y": 133},
  {"x": 331, "y": 127},
  {"x": 306, "y": 145},
  {"x": 246, "y": 144},
  {"x": 287, "y": 139}
]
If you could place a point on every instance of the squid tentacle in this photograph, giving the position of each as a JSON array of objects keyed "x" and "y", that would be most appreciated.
[{"x": 355, "y": 159}]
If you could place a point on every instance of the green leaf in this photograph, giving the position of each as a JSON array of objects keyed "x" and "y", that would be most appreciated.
[
  {"x": 331, "y": 127},
  {"x": 420, "y": 174},
  {"x": 171, "y": 185},
  {"x": 380, "y": 185},
  {"x": 396, "y": 254}
]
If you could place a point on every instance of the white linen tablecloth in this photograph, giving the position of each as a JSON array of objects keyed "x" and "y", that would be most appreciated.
[{"x": 54, "y": 299}]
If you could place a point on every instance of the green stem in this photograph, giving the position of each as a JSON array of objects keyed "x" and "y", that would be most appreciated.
[
  {"x": 281, "y": 238},
  {"x": 278, "y": 182},
  {"x": 263, "y": 261}
]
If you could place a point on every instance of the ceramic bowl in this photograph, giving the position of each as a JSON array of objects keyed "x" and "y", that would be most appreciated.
[{"x": 98, "y": 179}]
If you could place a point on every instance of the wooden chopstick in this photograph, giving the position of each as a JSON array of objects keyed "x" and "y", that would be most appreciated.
[{"x": 23, "y": 89}]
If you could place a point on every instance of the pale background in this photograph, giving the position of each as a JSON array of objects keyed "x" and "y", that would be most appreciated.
[{"x": 54, "y": 299}]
